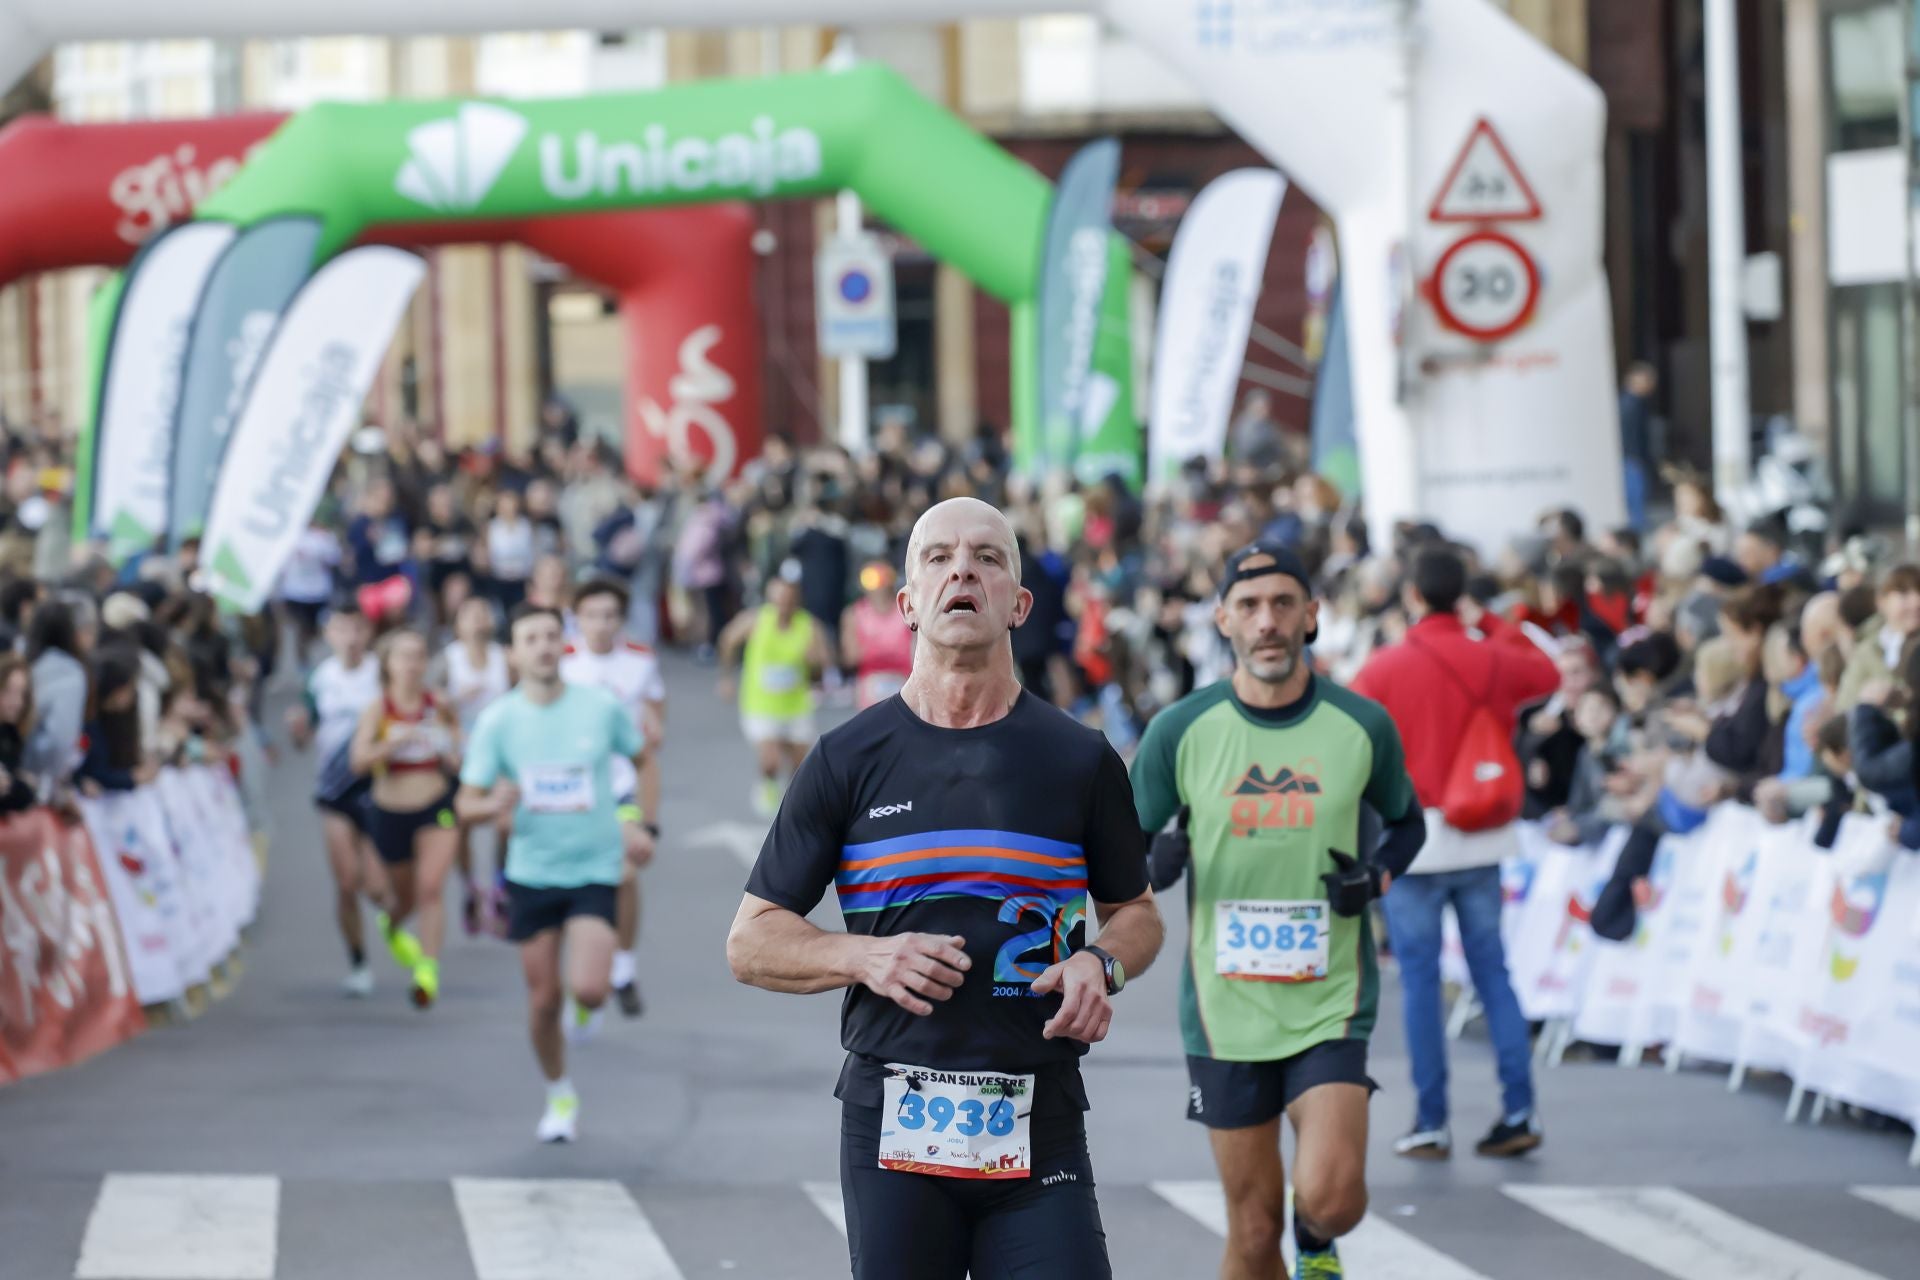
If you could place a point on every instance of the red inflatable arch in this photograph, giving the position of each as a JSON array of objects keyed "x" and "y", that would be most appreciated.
[{"x": 75, "y": 195}]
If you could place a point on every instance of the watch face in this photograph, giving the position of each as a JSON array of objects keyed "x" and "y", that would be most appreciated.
[{"x": 1117, "y": 974}]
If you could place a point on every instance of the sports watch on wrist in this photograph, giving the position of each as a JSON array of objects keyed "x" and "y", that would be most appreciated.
[{"x": 1116, "y": 972}]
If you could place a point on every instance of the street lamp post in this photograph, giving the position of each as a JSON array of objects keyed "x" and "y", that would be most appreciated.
[
  {"x": 1909, "y": 309},
  {"x": 1726, "y": 253}
]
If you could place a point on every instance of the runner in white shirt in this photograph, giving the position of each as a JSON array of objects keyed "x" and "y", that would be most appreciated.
[
  {"x": 306, "y": 584},
  {"x": 473, "y": 672},
  {"x": 606, "y": 659},
  {"x": 339, "y": 689}
]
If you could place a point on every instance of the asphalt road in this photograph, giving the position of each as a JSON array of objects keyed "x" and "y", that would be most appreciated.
[{"x": 289, "y": 1133}]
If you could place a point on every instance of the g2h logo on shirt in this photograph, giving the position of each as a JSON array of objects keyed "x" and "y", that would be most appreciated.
[
  {"x": 1283, "y": 801},
  {"x": 888, "y": 810}
]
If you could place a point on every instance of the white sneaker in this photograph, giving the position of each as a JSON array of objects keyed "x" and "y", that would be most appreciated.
[
  {"x": 1425, "y": 1144},
  {"x": 582, "y": 1023},
  {"x": 557, "y": 1125},
  {"x": 358, "y": 984}
]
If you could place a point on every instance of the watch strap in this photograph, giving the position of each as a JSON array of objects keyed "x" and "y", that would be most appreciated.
[{"x": 1107, "y": 963}]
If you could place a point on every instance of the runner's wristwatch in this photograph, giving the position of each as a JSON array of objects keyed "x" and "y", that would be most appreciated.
[{"x": 1116, "y": 972}]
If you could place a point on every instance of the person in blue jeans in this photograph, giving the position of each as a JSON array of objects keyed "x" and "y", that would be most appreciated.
[
  {"x": 1413, "y": 912},
  {"x": 1458, "y": 667}
]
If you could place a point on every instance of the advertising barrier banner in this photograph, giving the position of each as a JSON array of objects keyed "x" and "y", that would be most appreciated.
[
  {"x": 145, "y": 883},
  {"x": 65, "y": 992}
]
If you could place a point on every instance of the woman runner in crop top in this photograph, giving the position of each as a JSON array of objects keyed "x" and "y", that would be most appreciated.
[
  {"x": 409, "y": 742},
  {"x": 874, "y": 638}
]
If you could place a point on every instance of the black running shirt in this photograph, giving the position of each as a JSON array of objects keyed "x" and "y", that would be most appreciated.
[{"x": 999, "y": 834}]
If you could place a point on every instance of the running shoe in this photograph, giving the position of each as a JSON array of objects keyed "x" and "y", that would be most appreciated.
[
  {"x": 426, "y": 982},
  {"x": 766, "y": 797},
  {"x": 1425, "y": 1144},
  {"x": 1512, "y": 1136},
  {"x": 401, "y": 945},
  {"x": 583, "y": 1024},
  {"x": 1323, "y": 1265},
  {"x": 358, "y": 984},
  {"x": 630, "y": 1002},
  {"x": 562, "y": 1114}
]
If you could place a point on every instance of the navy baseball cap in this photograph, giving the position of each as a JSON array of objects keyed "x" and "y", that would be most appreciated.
[
  {"x": 1257, "y": 560},
  {"x": 1262, "y": 559}
]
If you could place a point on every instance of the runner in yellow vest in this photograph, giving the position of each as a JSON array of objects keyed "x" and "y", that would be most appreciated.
[{"x": 785, "y": 651}]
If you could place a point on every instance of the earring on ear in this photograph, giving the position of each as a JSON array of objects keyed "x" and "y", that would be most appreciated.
[{"x": 913, "y": 626}]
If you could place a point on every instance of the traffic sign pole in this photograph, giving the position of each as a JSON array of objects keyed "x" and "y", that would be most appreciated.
[
  {"x": 850, "y": 221},
  {"x": 853, "y": 369}
]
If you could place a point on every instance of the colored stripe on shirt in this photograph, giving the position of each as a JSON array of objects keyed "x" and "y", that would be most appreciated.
[{"x": 971, "y": 863}]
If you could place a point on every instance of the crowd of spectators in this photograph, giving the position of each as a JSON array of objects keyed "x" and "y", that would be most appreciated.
[{"x": 1699, "y": 661}]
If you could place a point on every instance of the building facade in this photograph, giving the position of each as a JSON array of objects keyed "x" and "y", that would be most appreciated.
[{"x": 496, "y": 329}]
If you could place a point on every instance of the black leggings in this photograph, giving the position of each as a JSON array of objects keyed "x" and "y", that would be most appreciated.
[
  {"x": 716, "y": 601},
  {"x": 1043, "y": 1227}
]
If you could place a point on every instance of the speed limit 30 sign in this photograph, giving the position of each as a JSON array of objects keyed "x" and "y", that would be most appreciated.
[{"x": 1485, "y": 286}]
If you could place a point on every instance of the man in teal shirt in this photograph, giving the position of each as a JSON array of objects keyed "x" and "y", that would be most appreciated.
[{"x": 538, "y": 760}]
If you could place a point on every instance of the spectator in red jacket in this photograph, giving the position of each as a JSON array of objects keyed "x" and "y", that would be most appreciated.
[{"x": 1431, "y": 683}]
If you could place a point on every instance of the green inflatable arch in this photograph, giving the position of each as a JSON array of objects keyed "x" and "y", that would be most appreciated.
[{"x": 864, "y": 128}]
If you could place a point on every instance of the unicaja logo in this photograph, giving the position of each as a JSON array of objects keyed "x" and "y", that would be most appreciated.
[
  {"x": 452, "y": 164},
  {"x": 758, "y": 159},
  {"x": 698, "y": 390}
]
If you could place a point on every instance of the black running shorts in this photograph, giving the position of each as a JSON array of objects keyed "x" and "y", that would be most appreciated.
[
  {"x": 1239, "y": 1095},
  {"x": 393, "y": 829},
  {"x": 1044, "y": 1227},
  {"x": 532, "y": 911},
  {"x": 355, "y": 804}
]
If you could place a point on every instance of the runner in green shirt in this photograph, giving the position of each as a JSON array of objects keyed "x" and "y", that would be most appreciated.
[
  {"x": 783, "y": 651},
  {"x": 1266, "y": 774}
]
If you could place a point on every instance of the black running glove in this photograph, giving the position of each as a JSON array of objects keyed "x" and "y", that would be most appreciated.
[
  {"x": 1168, "y": 853},
  {"x": 1351, "y": 885}
]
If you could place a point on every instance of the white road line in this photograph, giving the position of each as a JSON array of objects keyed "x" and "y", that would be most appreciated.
[
  {"x": 1682, "y": 1236},
  {"x": 1204, "y": 1202},
  {"x": 741, "y": 839},
  {"x": 1904, "y": 1201},
  {"x": 546, "y": 1229},
  {"x": 826, "y": 1198},
  {"x": 1374, "y": 1249},
  {"x": 167, "y": 1227}
]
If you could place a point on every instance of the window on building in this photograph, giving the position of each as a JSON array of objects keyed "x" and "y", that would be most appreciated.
[
  {"x": 1867, "y": 394},
  {"x": 1865, "y": 50}
]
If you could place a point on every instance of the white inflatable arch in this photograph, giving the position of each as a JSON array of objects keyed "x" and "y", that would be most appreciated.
[{"x": 1477, "y": 435}]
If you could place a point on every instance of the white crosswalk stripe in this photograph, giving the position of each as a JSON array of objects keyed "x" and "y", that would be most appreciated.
[
  {"x": 1680, "y": 1235},
  {"x": 520, "y": 1229},
  {"x": 170, "y": 1227},
  {"x": 1375, "y": 1249},
  {"x": 826, "y": 1198},
  {"x": 1904, "y": 1201}
]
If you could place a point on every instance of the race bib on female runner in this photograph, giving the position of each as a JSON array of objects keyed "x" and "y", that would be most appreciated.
[
  {"x": 956, "y": 1124},
  {"x": 779, "y": 679},
  {"x": 557, "y": 788},
  {"x": 1270, "y": 941}
]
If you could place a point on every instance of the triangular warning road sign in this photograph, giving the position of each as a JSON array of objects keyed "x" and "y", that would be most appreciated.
[{"x": 1484, "y": 184}]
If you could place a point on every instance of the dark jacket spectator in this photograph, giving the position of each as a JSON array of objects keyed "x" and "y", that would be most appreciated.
[
  {"x": 18, "y": 788},
  {"x": 111, "y": 759}
]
